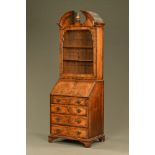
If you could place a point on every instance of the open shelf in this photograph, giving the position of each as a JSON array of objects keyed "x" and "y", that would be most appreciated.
[
  {"x": 77, "y": 60},
  {"x": 77, "y": 67},
  {"x": 77, "y": 47},
  {"x": 78, "y": 38},
  {"x": 78, "y": 52}
]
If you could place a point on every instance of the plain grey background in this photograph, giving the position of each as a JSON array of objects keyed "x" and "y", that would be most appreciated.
[{"x": 43, "y": 70}]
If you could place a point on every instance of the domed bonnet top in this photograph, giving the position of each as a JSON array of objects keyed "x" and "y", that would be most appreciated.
[{"x": 70, "y": 19}]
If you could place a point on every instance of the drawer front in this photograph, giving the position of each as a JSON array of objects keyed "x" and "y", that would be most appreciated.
[
  {"x": 78, "y": 132},
  {"x": 70, "y": 120},
  {"x": 78, "y": 101},
  {"x": 59, "y": 130},
  {"x": 68, "y": 100},
  {"x": 60, "y": 109},
  {"x": 61, "y": 100},
  {"x": 69, "y": 131},
  {"x": 59, "y": 119},
  {"x": 69, "y": 109},
  {"x": 78, "y": 110},
  {"x": 79, "y": 121}
]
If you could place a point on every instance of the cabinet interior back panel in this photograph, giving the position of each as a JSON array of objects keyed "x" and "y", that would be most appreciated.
[{"x": 78, "y": 52}]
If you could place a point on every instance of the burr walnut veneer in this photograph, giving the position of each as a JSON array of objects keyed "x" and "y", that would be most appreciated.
[{"x": 77, "y": 99}]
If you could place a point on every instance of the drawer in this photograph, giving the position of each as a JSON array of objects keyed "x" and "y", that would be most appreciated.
[
  {"x": 69, "y": 131},
  {"x": 68, "y": 100},
  {"x": 78, "y": 132},
  {"x": 59, "y": 130},
  {"x": 70, "y": 120},
  {"x": 59, "y": 119},
  {"x": 79, "y": 121},
  {"x": 61, "y": 100},
  {"x": 78, "y": 101},
  {"x": 69, "y": 109}
]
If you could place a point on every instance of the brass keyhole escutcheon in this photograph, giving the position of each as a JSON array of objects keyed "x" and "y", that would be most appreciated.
[
  {"x": 58, "y": 100},
  {"x": 57, "y": 119},
  {"x": 78, "y": 101},
  {"x": 58, "y": 130},
  {"x": 57, "y": 108},
  {"x": 78, "y": 110},
  {"x": 78, "y": 133},
  {"x": 78, "y": 121}
]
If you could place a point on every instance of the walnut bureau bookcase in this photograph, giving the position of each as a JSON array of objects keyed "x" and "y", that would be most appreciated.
[{"x": 77, "y": 99}]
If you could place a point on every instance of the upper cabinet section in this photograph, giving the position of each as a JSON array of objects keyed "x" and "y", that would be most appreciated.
[{"x": 81, "y": 37}]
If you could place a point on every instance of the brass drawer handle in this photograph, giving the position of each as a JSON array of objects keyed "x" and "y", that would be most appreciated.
[
  {"x": 58, "y": 130},
  {"x": 78, "y": 101},
  {"x": 78, "y": 132},
  {"x": 57, "y": 119},
  {"x": 78, "y": 110},
  {"x": 57, "y": 108},
  {"x": 58, "y": 100},
  {"x": 78, "y": 121}
]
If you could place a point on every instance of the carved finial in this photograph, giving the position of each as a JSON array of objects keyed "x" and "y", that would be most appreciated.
[{"x": 78, "y": 17}]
